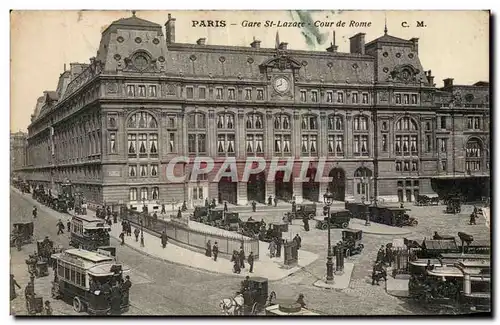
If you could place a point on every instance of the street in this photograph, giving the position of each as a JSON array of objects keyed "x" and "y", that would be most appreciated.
[{"x": 164, "y": 288}]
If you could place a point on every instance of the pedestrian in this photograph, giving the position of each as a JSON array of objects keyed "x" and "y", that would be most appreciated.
[
  {"x": 13, "y": 285},
  {"x": 179, "y": 214},
  {"x": 84, "y": 208},
  {"x": 164, "y": 239},
  {"x": 208, "y": 249},
  {"x": 272, "y": 249},
  {"x": 254, "y": 206},
  {"x": 163, "y": 211},
  {"x": 155, "y": 218},
  {"x": 298, "y": 240},
  {"x": 184, "y": 206},
  {"x": 129, "y": 229},
  {"x": 215, "y": 251},
  {"x": 35, "y": 212},
  {"x": 242, "y": 257},
  {"x": 47, "y": 310},
  {"x": 250, "y": 261},
  {"x": 108, "y": 221},
  {"x": 115, "y": 299},
  {"x": 389, "y": 256},
  {"x": 278, "y": 247},
  {"x": 60, "y": 227},
  {"x": 380, "y": 255},
  {"x": 122, "y": 237},
  {"x": 300, "y": 300},
  {"x": 236, "y": 262},
  {"x": 214, "y": 204},
  {"x": 472, "y": 219},
  {"x": 225, "y": 206},
  {"x": 115, "y": 217},
  {"x": 270, "y": 200},
  {"x": 206, "y": 203},
  {"x": 124, "y": 225},
  {"x": 108, "y": 211},
  {"x": 305, "y": 220},
  {"x": 275, "y": 202},
  {"x": 68, "y": 226},
  {"x": 136, "y": 233},
  {"x": 125, "y": 287}
]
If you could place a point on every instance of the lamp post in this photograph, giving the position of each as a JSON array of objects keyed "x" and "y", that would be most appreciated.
[
  {"x": 142, "y": 235},
  {"x": 365, "y": 208},
  {"x": 328, "y": 200}
]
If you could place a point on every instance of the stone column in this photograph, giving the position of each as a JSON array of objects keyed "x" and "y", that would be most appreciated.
[
  {"x": 211, "y": 139},
  {"x": 296, "y": 134},
  {"x": 240, "y": 135},
  {"x": 348, "y": 138},
  {"x": 269, "y": 135},
  {"x": 322, "y": 136},
  {"x": 297, "y": 192},
  {"x": 242, "y": 198},
  {"x": 182, "y": 144}
]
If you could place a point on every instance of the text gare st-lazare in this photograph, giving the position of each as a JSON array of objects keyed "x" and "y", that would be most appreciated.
[{"x": 281, "y": 23}]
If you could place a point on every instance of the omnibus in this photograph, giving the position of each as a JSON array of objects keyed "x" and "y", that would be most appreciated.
[
  {"x": 79, "y": 276},
  {"x": 88, "y": 232},
  {"x": 464, "y": 283}
]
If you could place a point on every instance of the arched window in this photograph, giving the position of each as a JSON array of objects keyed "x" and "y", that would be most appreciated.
[
  {"x": 309, "y": 122},
  {"x": 225, "y": 121},
  {"x": 254, "y": 134},
  {"x": 133, "y": 194},
  {"x": 335, "y": 123},
  {"x": 144, "y": 193},
  {"x": 155, "y": 193},
  {"x": 360, "y": 123},
  {"x": 282, "y": 122},
  {"x": 225, "y": 134},
  {"x": 309, "y": 143},
  {"x": 362, "y": 179},
  {"x": 406, "y": 124},
  {"x": 197, "y": 133},
  {"x": 406, "y": 137},
  {"x": 335, "y": 135},
  {"x": 142, "y": 135}
]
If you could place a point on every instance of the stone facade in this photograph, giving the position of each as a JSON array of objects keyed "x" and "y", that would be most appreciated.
[
  {"x": 374, "y": 114},
  {"x": 17, "y": 151}
]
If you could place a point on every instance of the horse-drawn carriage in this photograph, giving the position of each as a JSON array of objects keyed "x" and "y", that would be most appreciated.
[
  {"x": 337, "y": 219},
  {"x": 252, "y": 299},
  {"x": 424, "y": 200},
  {"x": 22, "y": 234}
]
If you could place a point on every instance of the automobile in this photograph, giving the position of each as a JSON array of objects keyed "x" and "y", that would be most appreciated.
[
  {"x": 23, "y": 231},
  {"x": 338, "y": 219},
  {"x": 274, "y": 230},
  {"x": 199, "y": 212},
  {"x": 250, "y": 228},
  {"x": 351, "y": 239},
  {"x": 229, "y": 221},
  {"x": 308, "y": 210}
]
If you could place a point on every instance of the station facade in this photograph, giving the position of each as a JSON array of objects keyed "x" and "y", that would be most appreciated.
[{"x": 386, "y": 132}]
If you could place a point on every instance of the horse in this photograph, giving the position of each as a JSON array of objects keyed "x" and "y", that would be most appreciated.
[{"x": 232, "y": 306}]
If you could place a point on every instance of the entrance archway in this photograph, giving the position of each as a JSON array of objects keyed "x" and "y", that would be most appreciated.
[
  {"x": 256, "y": 188},
  {"x": 310, "y": 189},
  {"x": 227, "y": 190},
  {"x": 362, "y": 180},
  {"x": 337, "y": 185},
  {"x": 283, "y": 189}
]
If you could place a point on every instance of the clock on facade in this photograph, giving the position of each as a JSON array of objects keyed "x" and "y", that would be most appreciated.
[{"x": 281, "y": 84}]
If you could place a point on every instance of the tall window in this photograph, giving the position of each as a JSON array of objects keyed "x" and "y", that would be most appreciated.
[
  {"x": 132, "y": 171},
  {"x": 360, "y": 123},
  {"x": 142, "y": 90},
  {"x": 443, "y": 122},
  {"x": 282, "y": 134},
  {"x": 406, "y": 137},
  {"x": 340, "y": 97},
  {"x": 428, "y": 143},
  {"x": 473, "y": 155},
  {"x": 384, "y": 142},
  {"x": 189, "y": 92},
  {"x": 314, "y": 96},
  {"x": 225, "y": 121},
  {"x": 219, "y": 93},
  {"x": 398, "y": 98},
  {"x": 354, "y": 98},
  {"x": 154, "y": 170},
  {"x": 254, "y": 134},
  {"x": 361, "y": 145},
  {"x": 473, "y": 123},
  {"x": 141, "y": 127},
  {"x": 230, "y": 94},
  {"x": 260, "y": 94},
  {"x": 197, "y": 130},
  {"x": 303, "y": 96},
  {"x": 131, "y": 90},
  {"x": 133, "y": 194},
  {"x": 309, "y": 126},
  {"x": 202, "y": 93},
  {"x": 443, "y": 144},
  {"x": 365, "y": 99},
  {"x": 132, "y": 151},
  {"x": 112, "y": 143},
  {"x": 144, "y": 193},
  {"x": 335, "y": 129},
  {"x": 155, "y": 193},
  {"x": 172, "y": 133},
  {"x": 143, "y": 144},
  {"x": 329, "y": 97},
  {"x": 152, "y": 91},
  {"x": 282, "y": 122},
  {"x": 225, "y": 134},
  {"x": 248, "y": 94}
]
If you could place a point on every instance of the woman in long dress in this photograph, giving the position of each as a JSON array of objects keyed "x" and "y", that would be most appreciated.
[
  {"x": 208, "y": 249},
  {"x": 272, "y": 248}
]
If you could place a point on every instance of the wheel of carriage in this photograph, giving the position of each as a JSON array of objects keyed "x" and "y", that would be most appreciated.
[
  {"x": 361, "y": 246},
  {"x": 414, "y": 222},
  {"x": 324, "y": 226},
  {"x": 311, "y": 216},
  {"x": 254, "y": 308},
  {"x": 345, "y": 225},
  {"x": 77, "y": 305},
  {"x": 227, "y": 227}
]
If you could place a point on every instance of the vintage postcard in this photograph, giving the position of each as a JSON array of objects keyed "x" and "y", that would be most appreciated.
[{"x": 280, "y": 163}]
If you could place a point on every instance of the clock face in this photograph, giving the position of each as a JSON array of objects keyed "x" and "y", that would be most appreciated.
[{"x": 281, "y": 84}]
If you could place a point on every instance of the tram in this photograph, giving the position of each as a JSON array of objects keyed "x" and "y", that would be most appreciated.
[
  {"x": 80, "y": 276},
  {"x": 88, "y": 232}
]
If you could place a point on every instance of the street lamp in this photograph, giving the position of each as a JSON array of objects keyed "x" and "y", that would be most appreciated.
[
  {"x": 142, "y": 235},
  {"x": 367, "y": 213},
  {"x": 328, "y": 200}
]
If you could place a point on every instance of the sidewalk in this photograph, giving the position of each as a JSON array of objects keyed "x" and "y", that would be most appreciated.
[
  {"x": 378, "y": 229},
  {"x": 397, "y": 286},
  {"x": 273, "y": 269},
  {"x": 486, "y": 215}
]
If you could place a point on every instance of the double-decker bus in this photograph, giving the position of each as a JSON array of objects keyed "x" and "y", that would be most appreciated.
[{"x": 88, "y": 232}]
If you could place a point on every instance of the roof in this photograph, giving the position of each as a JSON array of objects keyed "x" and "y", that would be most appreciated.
[
  {"x": 87, "y": 255},
  {"x": 389, "y": 39},
  {"x": 450, "y": 271},
  {"x": 440, "y": 244},
  {"x": 352, "y": 230},
  {"x": 133, "y": 23},
  {"x": 480, "y": 243},
  {"x": 52, "y": 95},
  {"x": 105, "y": 269},
  {"x": 88, "y": 218}
]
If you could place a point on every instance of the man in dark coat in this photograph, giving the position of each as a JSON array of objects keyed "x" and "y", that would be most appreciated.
[
  {"x": 242, "y": 257},
  {"x": 206, "y": 203},
  {"x": 184, "y": 206},
  {"x": 214, "y": 204},
  {"x": 136, "y": 233},
  {"x": 208, "y": 249},
  {"x": 300, "y": 300},
  {"x": 122, "y": 237},
  {"x": 270, "y": 200},
  {"x": 164, "y": 239},
  {"x": 35, "y": 212},
  {"x": 115, "y": 300},
  {"x": 155, "y": 218},
  {"x": 236, "y": 260},
  {"x": 225, "y": 206},
  {"x": 380, "y": 255},
  {"x": 68, "y": 225},
  {"x": 305, "y": 220},
  {"x": 389, "y": 256},
  {"x": 215, "y": 251},
  {"x": 298, "y": 240},
  {"x": 278, "y": 247},
  {"x": 250, "y": 261},
  {"x": 294, "y": 207},
  {"x": 179, "y": 214},
  {"x": 125, "y": 288},
  {"x": 275, "y": 201},
  {"x": 124, "y": 226},
  {"x": 60, "y": 227},
  {"x": 129, "y": 229},
  {"x": 163, "y": 211},
  {"x": 254, "y": 206},
  {"x": 108, "y": 212}
]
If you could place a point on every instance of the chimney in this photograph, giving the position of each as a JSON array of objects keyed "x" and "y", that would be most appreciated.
[
  {"x": 201, "y": 41},
  {"x": 283, "y": 46},
  {"x": 255, "y": 44},
  {"x": 358, "y": 43},
  {"x": 170, "y": 29},
  {"x": 414, "y": 41},
  {"x": 448, "y": 82},
  {"x": 430, "y": 78}
]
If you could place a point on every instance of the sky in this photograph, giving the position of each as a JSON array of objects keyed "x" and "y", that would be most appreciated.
[{"x": 452, "y": 44}]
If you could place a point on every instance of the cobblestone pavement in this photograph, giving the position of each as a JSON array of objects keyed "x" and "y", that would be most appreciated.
[{"x": 163, "y": 288}]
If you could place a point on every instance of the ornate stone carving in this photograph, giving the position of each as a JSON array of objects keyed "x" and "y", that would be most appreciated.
[
  {"x": 111, "y": 87},
  {"x": 171, "y": 89},
  {"x": 384, "y": 96}
]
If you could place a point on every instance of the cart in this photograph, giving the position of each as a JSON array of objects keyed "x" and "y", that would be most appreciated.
[
  {"x": 23, "y": 232},
  {"x": 256, "y": 297}
]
